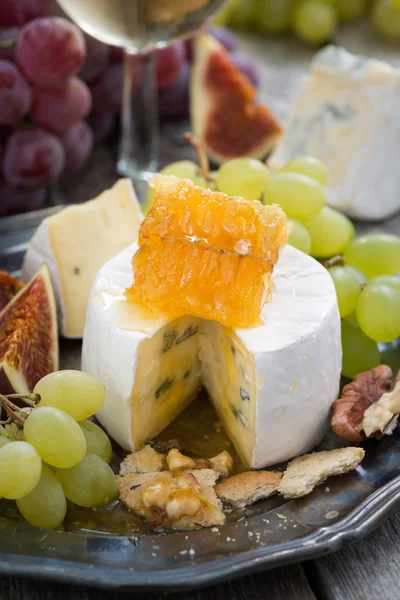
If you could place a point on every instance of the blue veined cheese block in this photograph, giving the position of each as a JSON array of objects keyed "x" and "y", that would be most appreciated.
[{"x": 347, "y": 115}]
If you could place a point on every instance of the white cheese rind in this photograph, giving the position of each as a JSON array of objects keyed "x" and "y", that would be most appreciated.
[
  {"x": 297, "y": 354},
  {"x": 346, "y": 114},
  {"x": 76, "y": 242}
]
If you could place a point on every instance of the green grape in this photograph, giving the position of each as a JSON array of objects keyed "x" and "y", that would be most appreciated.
[
  {"x": 21, "y": 468},
  {"x": 46, "y": 505},
  {"x": 331, "y": 232},
  {"x": 97, "y": 440},
  {"x": 347, "y": 288},
  {"x": 360, "y": 275},
  {"x": 396, "y": 3},
  {"x": 56, "y": 436},
  {"x": 245, "y": 177},
  {"x": 360, "y": 353},
  {"x": 386, "y": 18},
  {"x": 375, "y": 254},
  {"x": 299, "y": 196},
  {"x": 315, "y": 22},
  {"x": 378, "y": 312},
  {"x": 299, "y": 237},
  {"x": 241, "y": 15},
  {"x": 91, "y": 483},
  {"x": 392, "y": 280},
  {"x": 307, "y": 165},
  {"x": 272, "y": 16},
  {"x": 222, "y": 17},
  {"x": 350, "y": 9},
  {"x": 148, "y": 202},
  {"x": 75, "y": 392},
  {"x": 4, "y": 440}
]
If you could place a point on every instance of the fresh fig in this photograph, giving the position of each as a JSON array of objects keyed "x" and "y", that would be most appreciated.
[
  {"x": 224, "y": 112},
  {"x": 9, "y": 286},
  {"x": 28, "y": 336}
]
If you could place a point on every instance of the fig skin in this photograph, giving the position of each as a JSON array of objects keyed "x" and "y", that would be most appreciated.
[{"x": 28, "y": 336}]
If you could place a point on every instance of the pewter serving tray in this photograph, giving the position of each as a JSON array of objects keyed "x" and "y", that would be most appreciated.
[{"x": 271, "y": 533}]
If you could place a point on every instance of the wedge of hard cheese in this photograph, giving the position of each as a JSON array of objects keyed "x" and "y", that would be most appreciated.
[
  {"x": 272, "y": 386},
  {"x": 76, "y": 242}
]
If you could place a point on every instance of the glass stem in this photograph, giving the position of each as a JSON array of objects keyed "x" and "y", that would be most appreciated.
[{"x": 140, "y": 138}]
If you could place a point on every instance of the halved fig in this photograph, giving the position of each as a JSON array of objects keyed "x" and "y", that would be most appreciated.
[
  {"x": 28, "y": 336},
  {"x": 9, "y": 286},
  {"x": 224, "y": 112}
]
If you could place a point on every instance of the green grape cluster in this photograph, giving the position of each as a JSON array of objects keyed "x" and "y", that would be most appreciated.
[
  {"x": 312, "y": 21},
  {"x": 59, "y": 454}
]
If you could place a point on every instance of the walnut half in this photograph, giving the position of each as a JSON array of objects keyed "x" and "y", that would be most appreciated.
[{"x": 364, "y": 408}]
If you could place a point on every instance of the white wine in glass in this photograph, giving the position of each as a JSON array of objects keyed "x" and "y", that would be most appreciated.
[{"x": 139, "y": 26}]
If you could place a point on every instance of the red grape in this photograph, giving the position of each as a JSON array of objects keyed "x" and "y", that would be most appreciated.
[
  {"x": 78, "y": 144},
  {"x": 8, "y": 13},
  {"x": 247, "y": 66},
  {"x": 102, "y": 124},
  {"x": 189, "y": 49},
  {"x": 32, "y": 9},
  {"x": 50, "y": 50},
  {"x": 97, "y": 59},
  {"x": 116, "y": 54},
  {"x": 18, "y": 200},
  {"x": 32, "y": 158},
  {"x": 107, "y": 91},
  {"x": 60, "y": 108},
  {"x": 8, "y": 42},
  {"x": 224, "y": 37},
  {"x": 15, "y": 94},
  {"x": 174, "y": 100},
  {"x": 169, "y": 63}
]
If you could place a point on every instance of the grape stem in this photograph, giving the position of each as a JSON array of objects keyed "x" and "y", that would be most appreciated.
[
  {"x": 30, "y": 399},
  {"x": 335, "y": 261},
  {"x": 12, "y": 411},
  {"x": 204, "y": 168}
]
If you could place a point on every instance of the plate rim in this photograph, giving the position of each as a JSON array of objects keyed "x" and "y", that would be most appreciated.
[{"x": 324, "y": 540}]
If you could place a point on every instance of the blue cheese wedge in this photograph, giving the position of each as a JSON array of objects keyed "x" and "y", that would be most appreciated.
[
  {"x": 76, "y": 242},
  {"x": 272, "y": 386},
  {"x": 346, "y": 114}
]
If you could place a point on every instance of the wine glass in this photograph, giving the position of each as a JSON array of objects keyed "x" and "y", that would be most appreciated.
[{"x": 140, "y": 26}]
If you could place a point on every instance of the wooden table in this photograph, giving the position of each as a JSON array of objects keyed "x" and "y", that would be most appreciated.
[{"x": 368, "y": 569}]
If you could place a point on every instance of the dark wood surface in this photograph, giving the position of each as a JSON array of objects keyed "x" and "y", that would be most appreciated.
[{"x": 366, "y": 570}]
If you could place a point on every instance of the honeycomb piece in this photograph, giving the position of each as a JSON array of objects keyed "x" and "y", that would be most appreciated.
[
  {"x": 179, "y": 277},
  {"x": 248, "y": 228},
  {"x": 206, "y": 254}
]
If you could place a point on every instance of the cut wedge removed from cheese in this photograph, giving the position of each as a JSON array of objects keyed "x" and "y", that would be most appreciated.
[
  {"x": 272, "y": 386},
  {"x": 76, "y": 242}
]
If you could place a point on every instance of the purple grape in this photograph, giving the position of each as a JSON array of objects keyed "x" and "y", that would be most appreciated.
[
  {"x": 247, "y": 66},
  {"x": 27, "y": 10},
  {"x": 102, "y": 124},
  {"x": 169, "y": 64},
  {"x": 78, "y": 145},
  {"x": 32, "y": 158},
  {"x": 174, "y": 100},
  {"x": 18, "y": 200},
  {"x": 224, "y": 37},
  {"x": 116, "y": 53},
  {"x": 8, "y": 13},
  {"x": 97, "y": 59},
  {"x": 189, "y": 49},
  {"x": 60, "y": 108},
  {"x": 15, "y": 94},
  {"x": 8, "y": 43},
  {"x": 107, "y": 91},
  {"x": 50, "y": 50}
]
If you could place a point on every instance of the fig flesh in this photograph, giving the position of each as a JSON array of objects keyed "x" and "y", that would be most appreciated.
[
  {"x": 9, "y": 286},
  {"x": 224, "y": 112},
  {"x": 28, "y": 336}
]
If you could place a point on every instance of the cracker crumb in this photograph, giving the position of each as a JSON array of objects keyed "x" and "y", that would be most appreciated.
[
  {"x": 183, "y": 552},
  {"x": 281, "y": 516}
]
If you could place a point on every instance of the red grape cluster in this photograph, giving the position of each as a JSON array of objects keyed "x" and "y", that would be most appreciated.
[{"x": 61, "y": 91}]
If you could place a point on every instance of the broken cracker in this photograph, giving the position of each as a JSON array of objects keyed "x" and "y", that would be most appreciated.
[
  {"x": 146, "y": 460},
  {"x": 306, "y": 472},
  {"x": 246, "y": 488}
]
